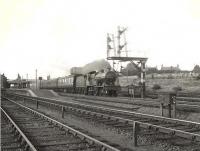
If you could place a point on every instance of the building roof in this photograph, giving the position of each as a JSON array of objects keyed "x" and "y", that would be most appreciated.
[
  {"x": 171, "y": 68},
  {"x": 151, "y": 68},
  {"x": 128, "y": 58}
]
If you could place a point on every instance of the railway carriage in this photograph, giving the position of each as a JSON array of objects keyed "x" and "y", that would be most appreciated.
[
  {"x": 80, "y": 84},
  {"x": 49, "y": 84},
  {"x": 65, "y": 84},
  {"x": 93, "y": 79},
  {"x": 94, "y": 83}
]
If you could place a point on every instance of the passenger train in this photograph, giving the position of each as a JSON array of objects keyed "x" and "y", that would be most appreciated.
[
  {"x": 94, "y": 83},
  {"x": 94, "y": 79}
]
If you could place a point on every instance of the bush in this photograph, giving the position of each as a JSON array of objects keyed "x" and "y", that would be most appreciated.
[
  {"x": 156, "y": 87},
  {"x": 198, "y": 77},
  {"x": 178, "y": 88}
]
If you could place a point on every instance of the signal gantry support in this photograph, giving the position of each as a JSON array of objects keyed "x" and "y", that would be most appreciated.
[{"x": 138, "y": 62}]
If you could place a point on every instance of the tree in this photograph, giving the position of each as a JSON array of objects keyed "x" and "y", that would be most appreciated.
[
  {"x": 4, "y": 81},
  {"x": 196, "y": 69}
]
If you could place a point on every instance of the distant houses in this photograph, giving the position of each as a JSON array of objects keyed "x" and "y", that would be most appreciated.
[
  {"x": 166, "y": 72},
  {"x": 170, "y": 69},
  {"x": 131, "y": 70},
  {"x": 150, "y": 70}
]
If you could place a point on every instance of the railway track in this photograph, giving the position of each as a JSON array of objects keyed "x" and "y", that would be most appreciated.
[
  {"x": 182, "y": 103},
  {"x": 41, "y": 132},
  {"x": 125, "y": 120},
  {"x": 12, "y": 138}
]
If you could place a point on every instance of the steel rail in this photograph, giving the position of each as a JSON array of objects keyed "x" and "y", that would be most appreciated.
[
  {"x": 162, "y": 129},
  {"x": 31, "y": 146},
  {"x": 84, "y": 136},
  {"x": 189, "y": 99},
  {"x": 179, "y": 106},
  {"x": 184, "y": 122}
]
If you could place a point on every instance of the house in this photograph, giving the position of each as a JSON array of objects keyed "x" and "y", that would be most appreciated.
[
  {"x": 150, "y": 70},
  {"x": 170, "y": 69}
]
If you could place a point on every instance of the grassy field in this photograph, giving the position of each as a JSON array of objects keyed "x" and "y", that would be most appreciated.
[{"x": 187, "y": 85}]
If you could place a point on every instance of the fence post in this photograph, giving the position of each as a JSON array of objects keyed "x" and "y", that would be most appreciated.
[
  {"x": 161, "y": 109},
  {"x": 37, "y": 104},
  {"x": 63, "y": 110},
  {"x": 169, "y": 110},
  {"x": 135, "y": 132},
  {"x": 174, "y": 107}
]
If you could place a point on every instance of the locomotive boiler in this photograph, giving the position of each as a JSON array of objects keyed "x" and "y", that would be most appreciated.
[
  {"x": 107, "y": 83},
  {"x": 102, "y": 83}
]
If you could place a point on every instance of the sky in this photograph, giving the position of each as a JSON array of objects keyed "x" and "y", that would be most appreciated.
[{"x": 53, "y": 36}]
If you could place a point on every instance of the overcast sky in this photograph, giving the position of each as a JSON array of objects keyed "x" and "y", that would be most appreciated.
[{"x": 55, "y": 35}]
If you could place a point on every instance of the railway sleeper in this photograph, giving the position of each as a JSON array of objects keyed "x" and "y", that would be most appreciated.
[
  {"x": 41, "y": 128},
  {"x": 80, "y": 148},
  {"x": 146, "y": 133},
  {"x": 25, "y": 118},
  {"x": 120, "y": 125},
  {"x": 28, "y": 120},
  {"x": 181, "y": 134},
  {"x": 156, "y": 122},
  {"x": 170, "y": 125},
  {"x": 60, "y": 148},
  {"x": 37, "y": 130},
  {"x": 143, "y": 120},
  {"x": 193, "y": 130},
  {"x": 44, "y": 138},
  {"x": 102, "y": 120},
  {"x": 88, "y": 117},
  {"x": 8, "y": 141},
  {"x": 184, "y": 128},
  {"x": 13, "y": 147},
  {"x": 128, "y": 127},
  {"x": 6, "y": 137},
  {"x": 32, "y": 123},
  {"x": 44, "y": 134},
  {"x": 111, "y": 123},
  {"x": 60, "y": 142}
]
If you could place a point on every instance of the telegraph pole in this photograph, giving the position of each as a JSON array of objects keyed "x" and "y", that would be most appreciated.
[
  {"x": 28, "y": 85},
  {"x": 118, "y": 42},
  {"x": 36, "y": 79}
]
